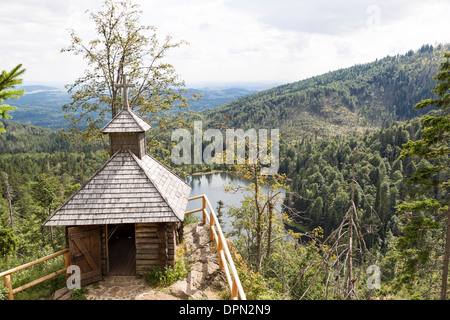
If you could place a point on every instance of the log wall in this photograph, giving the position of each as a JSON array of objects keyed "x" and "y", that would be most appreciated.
[
  {"x": 155, "y": 246},
  {"x": 133, "y": 141}
]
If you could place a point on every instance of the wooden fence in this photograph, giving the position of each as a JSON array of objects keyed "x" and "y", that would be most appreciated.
[
  {"x": 226, "y": 262},
  {"x": 7, "y": 274}
]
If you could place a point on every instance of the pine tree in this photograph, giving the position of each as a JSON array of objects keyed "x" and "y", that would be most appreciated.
[
  {"x": 433, "y": 181},
  {"x": 8, "y": 80}
]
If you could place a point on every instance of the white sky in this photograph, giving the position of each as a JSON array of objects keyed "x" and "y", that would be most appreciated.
[{"x": 231, "y": 41}]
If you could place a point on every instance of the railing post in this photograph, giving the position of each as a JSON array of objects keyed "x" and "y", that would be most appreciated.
[
  {"x": 9, "y": 286},
  {"x": 220, "y": 249},
  {"x": 67, "y": 260},
  {"x": 204, "y": 209},
  {"x": 234, "y": 289},
  {"x": 211, "y": 225}
]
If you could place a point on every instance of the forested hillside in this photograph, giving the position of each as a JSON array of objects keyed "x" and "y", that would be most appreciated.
[
  {"x": 321, "y": 172},
  {"x": 340, "y": 102},
  {"x": 41, "y": 105},
  {"x": 19, "y": 138}
]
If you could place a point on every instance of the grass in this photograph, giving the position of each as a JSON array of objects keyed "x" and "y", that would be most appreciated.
[
  {"x": 41, "y": 291},
  {"x": 163, "y": 277},
  {"x": 79, "y": 294}
]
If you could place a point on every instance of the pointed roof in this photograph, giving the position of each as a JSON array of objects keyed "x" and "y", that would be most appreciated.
[
  {"x": 126, "y": 190},
  {"x": 126, "y": 121}
]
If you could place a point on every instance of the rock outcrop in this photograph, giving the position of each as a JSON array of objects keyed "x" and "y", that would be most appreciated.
[{"x": 204, "y": 279}]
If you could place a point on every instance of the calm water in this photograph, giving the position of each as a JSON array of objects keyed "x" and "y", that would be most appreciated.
[{"x": 213, "y": 186}]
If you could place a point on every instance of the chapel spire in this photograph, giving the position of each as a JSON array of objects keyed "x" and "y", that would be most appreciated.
[
  {"x": 126, "y": 130},
  {"x": 124, "y": 86}
]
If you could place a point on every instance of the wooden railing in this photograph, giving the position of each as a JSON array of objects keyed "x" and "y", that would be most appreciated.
[
  {"x": 226, "y": 262},
  {"x": 7, "y": 274}
]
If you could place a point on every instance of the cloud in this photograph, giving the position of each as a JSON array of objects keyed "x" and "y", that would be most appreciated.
[
  {"x": 231, "y": 40},
  {"x": 338, "y": 17},
  {"x": 33, "y": 33}
]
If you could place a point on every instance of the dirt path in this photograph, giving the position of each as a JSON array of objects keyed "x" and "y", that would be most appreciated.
[{"x": 124, "y": 288}]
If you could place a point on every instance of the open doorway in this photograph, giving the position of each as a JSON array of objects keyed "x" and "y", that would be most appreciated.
[{"x": 121, "y": 250}]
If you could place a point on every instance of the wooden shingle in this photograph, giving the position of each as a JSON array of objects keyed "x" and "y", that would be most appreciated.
[
  {"x": 126, "y": 121},
  {"x": 126, "y": 190}
]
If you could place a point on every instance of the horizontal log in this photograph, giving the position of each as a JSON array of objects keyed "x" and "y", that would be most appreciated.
[
  {"x": 192, "y": 211},
  {"x": 149, "y": 224},
  {"x": 148, "y": 262},
  {"x": 145, "y": 235},
  {"x": 149, "y": 229},
  {"x": 196, "y": 197},
  {"x": 146, "y": 246},
  {"x": 145, "y": 268},
  {"x": 147, "y": 256},
  {"x": 146, "y": 240},
  {"x": 149, "y": 249}
]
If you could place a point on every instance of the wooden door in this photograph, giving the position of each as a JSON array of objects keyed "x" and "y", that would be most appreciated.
[{"x": 85, "y": 252}]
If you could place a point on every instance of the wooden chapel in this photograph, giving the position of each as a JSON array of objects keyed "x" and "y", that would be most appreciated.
[{"x": 125, "y": 219}]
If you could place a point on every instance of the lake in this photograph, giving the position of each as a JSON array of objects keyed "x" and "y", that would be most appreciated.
[{"x": 212, "y": 185}]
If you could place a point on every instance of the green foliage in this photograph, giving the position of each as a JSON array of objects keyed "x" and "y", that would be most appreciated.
[
  {"x": 257, "y": 287},
  {"x": 431, "y": 181},
  {"x": 434, "y": 146},
  {"x": 79, "y": 294},
  {"x": 414, "y": 249},
  {"x": 42, "y": 290},
  {"x": 166, "y": 276},
  {"x": 8, "y": 241},
  {"x": 8, "y": 80},
  {"x": 191, "y": 218}
]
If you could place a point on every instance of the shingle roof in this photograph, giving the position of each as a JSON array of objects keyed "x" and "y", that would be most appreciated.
[
  {"x": 126, "y": 190},
  {"x": 126, "y": 121}
]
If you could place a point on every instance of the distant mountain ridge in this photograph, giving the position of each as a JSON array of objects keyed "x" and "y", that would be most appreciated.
[
  {"x": 41, "y": 105},
  {"x": 34, "y": 88},
  {"x": 341, "y": 102}
]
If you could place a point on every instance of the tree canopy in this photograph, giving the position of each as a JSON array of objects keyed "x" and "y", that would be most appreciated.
[{"x": 124, "y": 46}]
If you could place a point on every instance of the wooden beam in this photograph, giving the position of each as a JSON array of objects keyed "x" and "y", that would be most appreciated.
[
  {"x": 196, "y": 197},
  {"x": 192, "y": 211},
  {"x": 9, "y": 286},
  {"x": 204, "y": 209}
]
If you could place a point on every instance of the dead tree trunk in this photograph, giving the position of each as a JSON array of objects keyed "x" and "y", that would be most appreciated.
[{"x": 446, "y": 259}]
